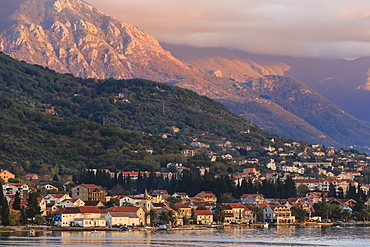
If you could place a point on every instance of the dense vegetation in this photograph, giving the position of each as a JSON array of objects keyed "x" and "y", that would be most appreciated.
[
  {"x": 48, "y": 144},
  {"x": 84, "y": 127}
]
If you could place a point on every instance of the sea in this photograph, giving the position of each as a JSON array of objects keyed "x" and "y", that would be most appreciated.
[{"x": 235, "y": 236}]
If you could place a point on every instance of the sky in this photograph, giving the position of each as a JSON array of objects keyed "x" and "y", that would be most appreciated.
[{"x": 313, "y": 28}]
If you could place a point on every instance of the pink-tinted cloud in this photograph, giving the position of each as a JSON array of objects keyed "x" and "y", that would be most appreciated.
[{"x": 287, "y": 27}]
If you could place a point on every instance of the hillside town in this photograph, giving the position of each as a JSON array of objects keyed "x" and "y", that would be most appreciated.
[{"x": 336, "y": 190}]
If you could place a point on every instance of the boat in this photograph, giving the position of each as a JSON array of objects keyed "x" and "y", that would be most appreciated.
[
  {"x": 162, "y": 228},
  {"x": 265, "y": 225},
  {"x": 95, "y": 231}
]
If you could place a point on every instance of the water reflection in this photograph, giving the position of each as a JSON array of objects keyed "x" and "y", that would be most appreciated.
[{"x": 279, "y": 236}]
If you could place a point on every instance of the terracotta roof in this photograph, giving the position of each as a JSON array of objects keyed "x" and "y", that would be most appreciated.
[
  {"x": 206, "y": 195},
  {"x": 236, "y": 205},
  {"x": 181, "y": 193},
  {"x": 250, "y": 195},
  {"x": 91, "y": 186},
  {"x": 197, "y": 204},
  {"x": 123, "y": 209},
  {"x": 203, "y": 212},
  {"x": 181, "y": 205},
  {"x": 57, "y": 195},
  {"x": 122, "y": 214},
  {"x": 83, "y": 210},
  {"x": 30, "y": 175},
  {"x": 169, "y": 209}
]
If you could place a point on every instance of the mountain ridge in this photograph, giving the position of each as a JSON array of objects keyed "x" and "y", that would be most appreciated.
[{"x": 72, "y": 36}]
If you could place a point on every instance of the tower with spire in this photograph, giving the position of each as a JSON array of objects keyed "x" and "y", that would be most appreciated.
[{"x": 145, "y": 205}]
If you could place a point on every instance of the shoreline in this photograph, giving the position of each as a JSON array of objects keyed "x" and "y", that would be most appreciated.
[{"x": 12, "y": 229}]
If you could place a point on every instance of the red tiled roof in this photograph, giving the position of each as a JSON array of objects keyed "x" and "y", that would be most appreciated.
[
  {"x": 83, "y": 210},
  {"x": 203, "y": 212},
  {"x": 30, "y": 175},
  {"x": 236, "y": 205},
  {"x": 123, "y": 209},
  {"x": 250, "y": 195},
  {"x": 91, "y": 186},
  {"x": 181, "y": 205}
]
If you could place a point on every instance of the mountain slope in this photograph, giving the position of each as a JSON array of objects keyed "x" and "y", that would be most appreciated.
[
  {"x": 72, "y": 36},
  {"x": 134, "y": 104}
]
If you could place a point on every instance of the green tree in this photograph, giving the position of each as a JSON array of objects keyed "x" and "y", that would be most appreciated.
[
  {"x": 302, "y": 189},
  {"x": 332, "y": 190},
  {"x": 39, "y": 219},
  {"x": 14, "y": 217},
  {"x": 17, "y": 201},
  {"x": 257, "y": 213},
  {"x": 167, "y": 217},
  {"x": 5, "y": 211},
  {"x": 23, "y": 219},
  {"x": 219, "y": 213},
  {"x": 33, "y": 207},
  {"x": 299, "y": 213}
]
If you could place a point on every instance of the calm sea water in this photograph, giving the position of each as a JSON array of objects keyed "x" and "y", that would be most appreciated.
[{"x": 277, "y": 236}]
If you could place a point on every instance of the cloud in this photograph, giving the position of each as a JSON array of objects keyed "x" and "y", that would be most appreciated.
[{"x": 323, "y": 28}]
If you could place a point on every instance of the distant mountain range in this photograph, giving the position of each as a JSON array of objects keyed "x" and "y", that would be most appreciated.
[{"x": 72, "y": 36}]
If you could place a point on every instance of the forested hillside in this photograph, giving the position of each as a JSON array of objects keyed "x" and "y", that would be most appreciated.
[{"x": 56, "y": 120}]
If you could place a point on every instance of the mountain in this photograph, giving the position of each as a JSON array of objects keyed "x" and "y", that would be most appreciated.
[
  {"x": 54, "y": 121},
  {"x": 341, "y": 81},
  {"x": 135, "y": 104},
  {"x": 71, "y": 36}
]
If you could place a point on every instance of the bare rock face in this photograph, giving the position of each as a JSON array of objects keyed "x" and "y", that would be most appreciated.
[{"x": 71, "y": 36}]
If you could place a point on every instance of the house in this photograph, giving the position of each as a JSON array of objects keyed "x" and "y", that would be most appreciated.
[
  {"x": 56, "y": 198},
  {"x": 366, "y": 189},
  {"x": 12, "y": 188},
  {"x": 163, "y": 193},
  {"x": 206, "y": 196},
  {"x": 88, "y": 192},
  {"x": 30, "y": 177},
  {"x": 131, "y": 212},
  {"x": 42, "y": 204},
  {"x": 199, "y": 205},
  {"x": 181, "y": 195},
  {"x": 279, "y": 214},
  {"x": 97, "y": 204},
  {"x": 238, "y": 211},
  {"x": 47, "y": 187},
  {"x": 122, "y": 219},
  {"x": 184, "y": 210},
  {"x": 252, "y": 199},
  {"x": 203, "y": 217},
  {"x": 5, "y": 175},
  {"x": 80, "y": 216},
  {"x": 72, "y": 203},
  {"x": 130, "y": 200}
]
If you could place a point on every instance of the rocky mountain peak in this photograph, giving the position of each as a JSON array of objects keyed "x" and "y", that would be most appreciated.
[{"x": 72, "y": 36}]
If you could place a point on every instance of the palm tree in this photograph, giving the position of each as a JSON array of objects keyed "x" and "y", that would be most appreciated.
[
  {"x": 167, "y": 217},
  {"x": 152, "y": 216},
  {"x": 257, "y": 213}
]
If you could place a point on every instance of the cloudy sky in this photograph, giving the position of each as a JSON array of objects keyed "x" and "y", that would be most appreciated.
[{"x": 324, "y": 28}]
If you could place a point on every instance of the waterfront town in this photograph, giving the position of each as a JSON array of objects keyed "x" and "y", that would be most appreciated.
[{"x": 338, "y": 190}]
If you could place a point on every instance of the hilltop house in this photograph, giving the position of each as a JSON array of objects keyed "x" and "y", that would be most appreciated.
[{"x": 5, "y": 175}]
